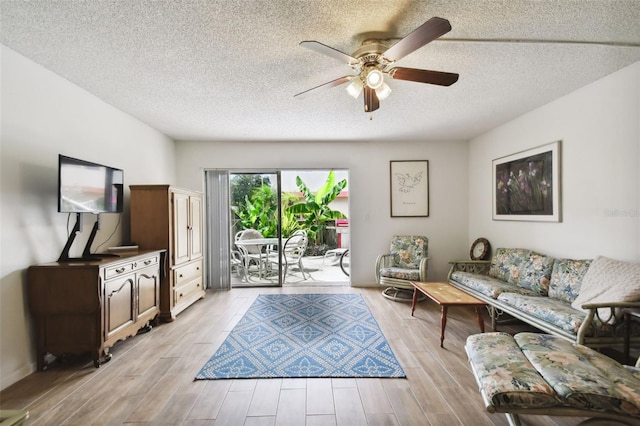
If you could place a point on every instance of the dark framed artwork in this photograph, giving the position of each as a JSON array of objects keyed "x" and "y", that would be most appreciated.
[
  {"x": 526, "y": 185},
  {"x": 409, "y": 188}
]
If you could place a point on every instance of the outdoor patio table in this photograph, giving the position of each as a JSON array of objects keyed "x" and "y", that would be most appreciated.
[{"x": 259, "y": 243}]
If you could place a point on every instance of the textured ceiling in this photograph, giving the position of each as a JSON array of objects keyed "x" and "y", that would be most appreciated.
[{"x": 228, "y": 70}]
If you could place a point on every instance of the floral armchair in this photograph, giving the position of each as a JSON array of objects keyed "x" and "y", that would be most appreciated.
[{"x": 405, "y": 262}]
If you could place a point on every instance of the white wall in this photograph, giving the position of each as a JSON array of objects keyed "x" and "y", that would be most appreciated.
[
  {"x": 44, "y": 115},
  {"x": 371, "y": 226},
  {"x": 599, "y": 126}
]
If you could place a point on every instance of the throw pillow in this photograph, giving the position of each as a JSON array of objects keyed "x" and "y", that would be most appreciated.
[{"x": 609, "y": 280}]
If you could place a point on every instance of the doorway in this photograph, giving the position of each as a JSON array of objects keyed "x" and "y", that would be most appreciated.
[
  {"x": 256, "y": 227},
  {"x": 268, "y": 215}
]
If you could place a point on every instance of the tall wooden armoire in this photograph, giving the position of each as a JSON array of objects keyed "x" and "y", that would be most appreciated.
[{"x": 164, "y": 217}]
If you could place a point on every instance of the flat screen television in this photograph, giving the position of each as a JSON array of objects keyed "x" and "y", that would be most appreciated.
[{"x": 85, "y": 187}]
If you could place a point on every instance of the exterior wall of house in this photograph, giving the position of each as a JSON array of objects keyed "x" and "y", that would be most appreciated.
[
  {"x": 371, "y": 226},
  {"x": 599, "y": 126},
  {"x": 44, "y": 115}
]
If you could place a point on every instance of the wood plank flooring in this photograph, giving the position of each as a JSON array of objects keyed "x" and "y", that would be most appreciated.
[{"x": 149, "y": 381}]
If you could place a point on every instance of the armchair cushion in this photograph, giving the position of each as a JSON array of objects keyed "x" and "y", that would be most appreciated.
[
  {"x": 401, "y": 273},
  {"x": 408, "y": 250},
  {"x": 406, "y": 261}
]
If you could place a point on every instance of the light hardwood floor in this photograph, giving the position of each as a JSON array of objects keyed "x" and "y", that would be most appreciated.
[{"x": 150, "y": 378}]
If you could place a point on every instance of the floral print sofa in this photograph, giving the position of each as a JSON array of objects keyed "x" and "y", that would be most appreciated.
[
  {"x": 532, "y": 373},
  {"x": 577, "y": 299}
]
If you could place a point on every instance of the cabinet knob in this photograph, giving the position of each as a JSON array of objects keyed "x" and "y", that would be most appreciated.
[
  {"x": 120, "y": 270},
  {"x": 180, "y": 275}
]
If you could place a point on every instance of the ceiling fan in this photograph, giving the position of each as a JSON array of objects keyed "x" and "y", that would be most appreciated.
[{"x": 373, "y": 60}]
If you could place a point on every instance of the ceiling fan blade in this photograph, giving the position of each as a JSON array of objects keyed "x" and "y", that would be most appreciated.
[
  {"x": 371, "y": 102},
  {"x": 429, "y": 31},
  {"x": 316, "y": 46},
  {"x": 423, "y": 76},
  {"x": 332, "y": 83}
]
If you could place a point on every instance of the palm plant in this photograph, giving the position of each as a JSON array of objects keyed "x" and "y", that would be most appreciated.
[
  {"x": 259, "y": 211},
  {"x": 315, "y": 209}
]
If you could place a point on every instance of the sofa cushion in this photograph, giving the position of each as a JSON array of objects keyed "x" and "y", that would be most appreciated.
[
  {"x": 584, "y": 378},
  {"x": 506, "y": 264},
  {"x": 553, "y": 311},
  {"x": 566, "y": 278},
  {"x": 535, "y": 274},
  {"x": 505, "y": 375},
  {"x": 627, "y": 381},
  {"x": 609, "y": 280},
  {"x": 489, "y": 286},
  {"x": 522, "y": 267}
]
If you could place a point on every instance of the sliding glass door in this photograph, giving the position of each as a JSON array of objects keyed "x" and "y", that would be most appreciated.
[
  {"x": 255, "y": 228},
  {"x": 276, "y": 227}
]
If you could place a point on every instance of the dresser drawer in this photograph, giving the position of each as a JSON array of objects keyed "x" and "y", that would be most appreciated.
[
  {"x": 185, "y": 291},
  {"x": 186, "y": 273},
  {"x": 147, "y": 261},
  {"x": 117, "y": 270},
  {"x": 126, "y": 267}
]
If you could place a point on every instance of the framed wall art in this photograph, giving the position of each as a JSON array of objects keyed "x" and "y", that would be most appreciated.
[
  {"x": 409, "y": 188},
  {"x": 526, "y": 185}
]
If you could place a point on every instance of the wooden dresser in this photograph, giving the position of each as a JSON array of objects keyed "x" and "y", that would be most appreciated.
[
  {"x": 88, "y": 305},
  {"x": 170, "y": 218}
]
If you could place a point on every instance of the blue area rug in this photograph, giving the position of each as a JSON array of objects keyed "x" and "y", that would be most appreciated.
[{"x": 304, "y": 335}]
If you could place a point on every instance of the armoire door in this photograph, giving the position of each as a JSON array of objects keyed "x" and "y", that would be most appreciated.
[{"x": 181, "y": 225}]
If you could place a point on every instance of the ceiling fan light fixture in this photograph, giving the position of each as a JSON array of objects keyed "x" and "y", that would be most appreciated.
[
  {"x": 371, "y": 61},
  {"x": 374, "y": 78},
  {"x": 355, "y": 88},
  {"x": 383, "y": 91}
]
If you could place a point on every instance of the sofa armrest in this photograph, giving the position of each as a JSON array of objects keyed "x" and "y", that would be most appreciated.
[
  {"x": 473, "y": 266},
  {"x": 593, "y": 313},
  {"x": 611, "y": 305}
]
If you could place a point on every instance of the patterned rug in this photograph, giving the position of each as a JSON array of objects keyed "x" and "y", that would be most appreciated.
[{"x": 304, "y": 335}]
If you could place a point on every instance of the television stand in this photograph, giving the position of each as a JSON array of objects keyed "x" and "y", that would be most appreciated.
[{"x": 86, "y": 253}]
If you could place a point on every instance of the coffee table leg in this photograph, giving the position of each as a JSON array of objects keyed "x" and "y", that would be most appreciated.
[
  {"x": 443, "y": 323},
  {"x": 480, "y": 320},
  {"x": 413, "y": 301}
]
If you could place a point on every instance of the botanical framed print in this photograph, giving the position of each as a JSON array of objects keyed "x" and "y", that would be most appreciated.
[
  {"x": 409, "y": 188},
  {"x": 526, "y": 185}
]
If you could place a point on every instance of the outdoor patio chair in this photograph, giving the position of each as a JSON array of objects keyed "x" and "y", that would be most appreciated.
[
  {"x": 292, "y": 252},
  {"x": 251, "y": 253},
  {"x": 238, "y": 264},
  {"x": 406, "y": 261}
]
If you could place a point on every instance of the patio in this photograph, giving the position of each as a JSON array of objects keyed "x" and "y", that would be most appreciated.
[{"x": 318, "y": 270}]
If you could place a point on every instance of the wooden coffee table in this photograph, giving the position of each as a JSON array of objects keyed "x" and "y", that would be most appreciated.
[{"x": 445, "y": 295}]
